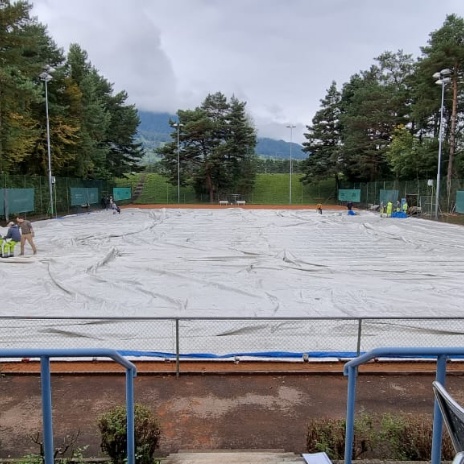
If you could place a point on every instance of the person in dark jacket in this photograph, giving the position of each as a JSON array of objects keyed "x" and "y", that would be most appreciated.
[
  {"x": 9, "y": 241},
  {"x": 13, "y": 232}
]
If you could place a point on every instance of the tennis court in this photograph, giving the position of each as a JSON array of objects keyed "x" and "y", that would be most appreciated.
[{"x": 236, "y": 262}]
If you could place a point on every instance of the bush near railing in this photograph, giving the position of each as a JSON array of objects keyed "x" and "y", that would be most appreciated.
[
  {"x": 386, "y": 437},
  {"x": 113, "y": 429}
]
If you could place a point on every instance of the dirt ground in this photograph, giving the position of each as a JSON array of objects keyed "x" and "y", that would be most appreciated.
[{"x": 200, "y": 410}]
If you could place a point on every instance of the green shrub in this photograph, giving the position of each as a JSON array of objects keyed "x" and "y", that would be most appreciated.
[
  {"x": 113, "y": 428},
  {"x": 392, "y": 437},
  {"x": 328, "y": 436},
  {"x": 410, "y": 438}
]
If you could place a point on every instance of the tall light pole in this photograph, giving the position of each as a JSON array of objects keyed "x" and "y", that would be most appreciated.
[
  {"x": 442, "y": 78},
  {"x": 178, "y": 125},
  {"x": 46, "y": 77},
  {"x": 291, "y": 127}
]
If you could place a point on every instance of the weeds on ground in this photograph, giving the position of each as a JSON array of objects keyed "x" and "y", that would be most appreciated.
[
  {"x": 392, "y": 437},
  {"x": 66, "y": 452}
]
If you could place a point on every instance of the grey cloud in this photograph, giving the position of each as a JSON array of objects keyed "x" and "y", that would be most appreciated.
[{"x": 278, "y": 55}]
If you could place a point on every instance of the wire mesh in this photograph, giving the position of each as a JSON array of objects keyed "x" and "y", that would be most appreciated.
[{"x": 228, "y": 337}]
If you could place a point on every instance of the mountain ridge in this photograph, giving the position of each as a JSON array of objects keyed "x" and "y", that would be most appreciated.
[{"x": 154, "y": 129}]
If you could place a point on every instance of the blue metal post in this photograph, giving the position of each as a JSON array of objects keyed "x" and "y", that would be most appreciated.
[
  {"x": 47, "y": 426},
  {"x": 130, "y": 411},
  {"x": 350, "y": 404},
  {"x": 437, "y": 417}
]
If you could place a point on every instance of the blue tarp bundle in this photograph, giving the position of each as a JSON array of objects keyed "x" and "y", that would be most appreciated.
[{"x": 261, "y": 354}]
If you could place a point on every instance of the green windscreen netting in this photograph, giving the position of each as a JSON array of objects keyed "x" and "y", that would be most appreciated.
[
  {"x": 388, "y": 195},
  {"x": 122, "y": 193},
  {"x": 16, "y": 201},
  {"x": 460, "y": 201},
  {"x": 353, "y": 195},
  {"x": 84, "y": 196}
]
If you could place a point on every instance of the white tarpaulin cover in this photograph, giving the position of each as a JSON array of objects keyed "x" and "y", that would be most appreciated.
[{"x": 239, "y": 263}]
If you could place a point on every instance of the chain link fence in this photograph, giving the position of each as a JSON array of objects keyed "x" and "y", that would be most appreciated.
[
  {"x": 421, "y": 192},
  {"x": 61, "y": 191},
  {"x": 225, "y": 338}
]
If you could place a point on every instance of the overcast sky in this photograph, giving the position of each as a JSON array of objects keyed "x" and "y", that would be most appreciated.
[{"x": 280, "y": 56}]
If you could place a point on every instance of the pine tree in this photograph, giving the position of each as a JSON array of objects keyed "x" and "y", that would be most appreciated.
[
  {"x": 445, "y": 50},
  {"x": 323, "y": 140},
  {"x": 217, "y": 148}
]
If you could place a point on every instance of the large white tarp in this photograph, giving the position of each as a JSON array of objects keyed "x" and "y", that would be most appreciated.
[{"x": 236, "y": 262}]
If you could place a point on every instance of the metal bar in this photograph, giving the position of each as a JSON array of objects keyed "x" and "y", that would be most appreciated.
[
  {"x": 67, "y": 353},
  {"x": 350, "y": 404},
  {"x": 437, "y": 431},
  {"x": 130, "y": 413},
  {"x": 47, "y": 425}
]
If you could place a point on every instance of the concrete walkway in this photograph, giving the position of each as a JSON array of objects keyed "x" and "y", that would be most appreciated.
[{"x": 234, "y": 457}]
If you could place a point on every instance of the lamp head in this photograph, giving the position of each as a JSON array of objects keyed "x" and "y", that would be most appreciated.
[
  {"x": 442, "y": 77},
  {"x": 443, "y": 81},
  {"x": 44, "y": 76}
]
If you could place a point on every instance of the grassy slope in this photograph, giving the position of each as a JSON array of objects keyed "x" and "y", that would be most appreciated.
[{"x": 269, "y": 189}]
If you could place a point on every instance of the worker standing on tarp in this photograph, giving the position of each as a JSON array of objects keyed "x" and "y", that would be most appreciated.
[
  {"x": 405, "y": 207},
  {"x": 389, "y": 208}
]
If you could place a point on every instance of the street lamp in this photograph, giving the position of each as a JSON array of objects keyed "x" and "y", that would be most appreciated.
[
  {"x": 178, "y": 125},
  {"x": 46, "y": 77},
  {"x": 442, "y": 78},
  {"x": 291, "y": 127}
]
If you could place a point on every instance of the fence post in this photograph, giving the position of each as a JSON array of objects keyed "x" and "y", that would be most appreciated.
[
  {"x": 177, "y": 349},
  {"x": 358, "y": 344}
]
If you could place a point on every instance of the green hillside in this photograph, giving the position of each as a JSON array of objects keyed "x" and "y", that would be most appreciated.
[
  {"x": 154, "y": 130},
  {"x": 269, "y": 189}
]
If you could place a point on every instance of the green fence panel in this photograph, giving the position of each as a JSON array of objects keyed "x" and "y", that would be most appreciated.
[
  {"x": 460, "y": 201},
  {"x": 83, "y": 196},
  {"x": 16, "y": 201},
  {"x": 92, "y": 195},
  {"x": 353, "y": 195},
  {"x": 388, "y": 195},
  {"x": 122, "y": 193},
  {"x": 20, "y": 200}
]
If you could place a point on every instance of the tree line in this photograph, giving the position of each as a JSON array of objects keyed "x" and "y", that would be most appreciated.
[
  {"x": 385, "y": 122},
  {"x": 92, "y": 128}
]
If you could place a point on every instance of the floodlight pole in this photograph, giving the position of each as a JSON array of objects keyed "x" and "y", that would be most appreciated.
[
  {"x": 442, "y": 79},
  {"x": 46, "y": 77},
  {"x": 291, "y": 127},
  {"x": 178, "y": 126}
]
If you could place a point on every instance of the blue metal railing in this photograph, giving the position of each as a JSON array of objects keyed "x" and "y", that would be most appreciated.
[
  {"x": 45, "y": 355},
  {"x": 441, "y": 354}
]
